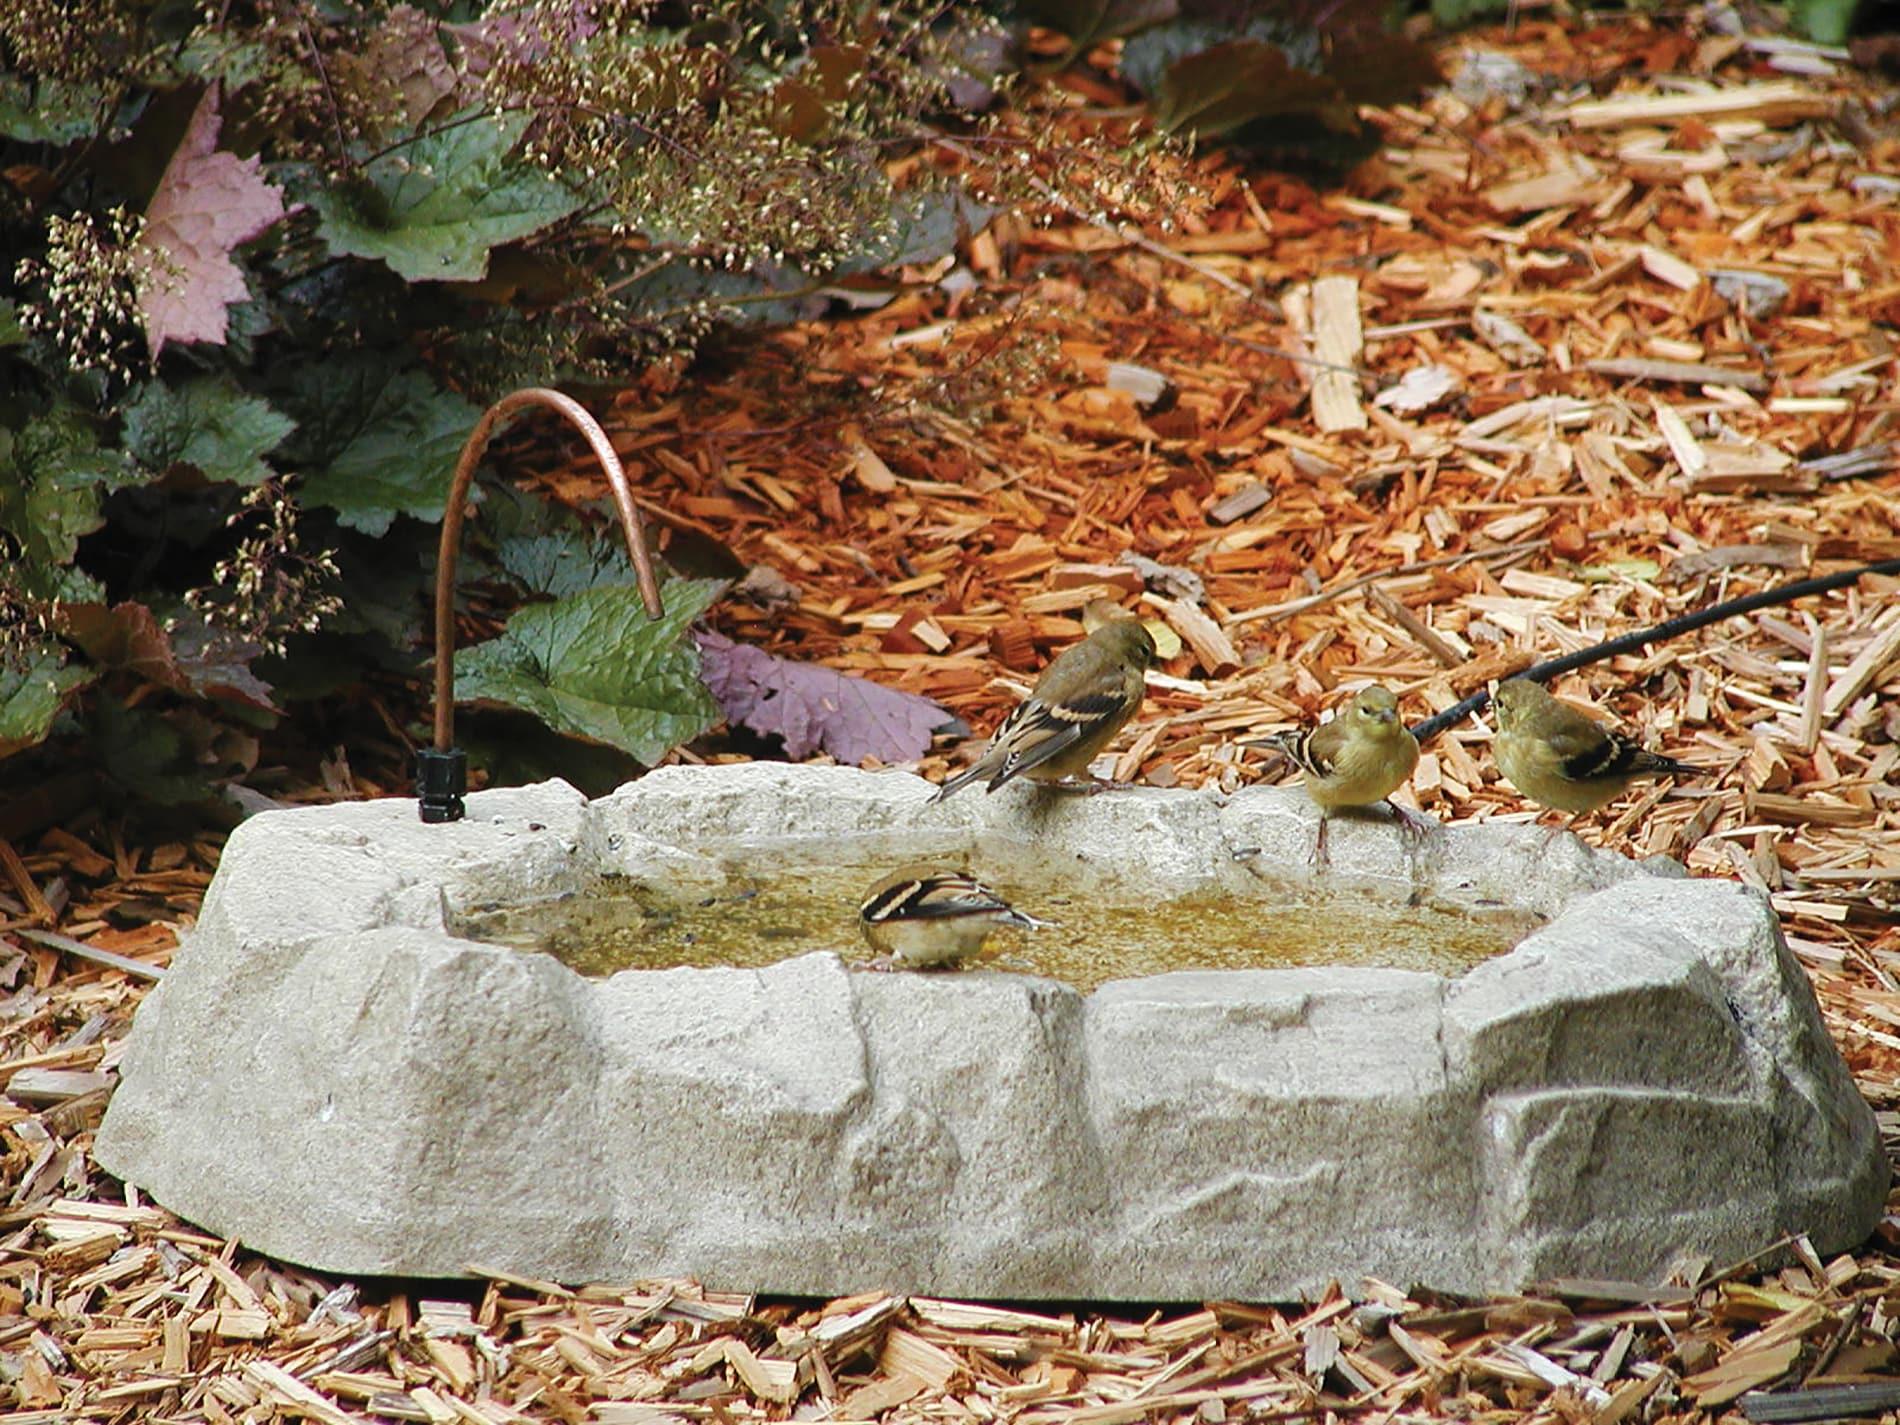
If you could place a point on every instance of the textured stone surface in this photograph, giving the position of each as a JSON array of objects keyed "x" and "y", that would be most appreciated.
[{"x": 331, "y": 1075}]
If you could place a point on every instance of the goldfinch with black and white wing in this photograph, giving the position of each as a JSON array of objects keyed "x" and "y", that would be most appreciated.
[
  {"x": 1562, "y": 759},
  {"x": 1078, "y": 705},
  {"x": 925, "y": 917},
  {"x": 1358, "y": 759}
]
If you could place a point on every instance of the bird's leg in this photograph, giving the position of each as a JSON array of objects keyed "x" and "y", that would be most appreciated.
[
  {"x": 1414, "y": 827},
  {"x": 1320, "y": 857},
  {"x": 882, "y": 965},
  {"x": 1412, "y": 823}
]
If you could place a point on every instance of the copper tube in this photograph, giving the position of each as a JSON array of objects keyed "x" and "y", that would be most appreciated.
[{"x": 471, "y": 456}]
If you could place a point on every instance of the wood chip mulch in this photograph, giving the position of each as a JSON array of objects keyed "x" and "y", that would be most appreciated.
[{"x": 1631, "y": 335}]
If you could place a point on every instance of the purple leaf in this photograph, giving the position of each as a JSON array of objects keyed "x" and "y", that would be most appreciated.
[
  {"x": 205, "y": 205},
  {"x": 186, "y": 653},
  {"x": 402, "y": 62},
  {"x": 814, "y": 707},
  {"x": 521, "y": 36}
]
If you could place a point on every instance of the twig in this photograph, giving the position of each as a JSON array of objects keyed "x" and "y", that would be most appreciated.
[
  {"x": 1736, "y": 1268},
  {"x": 1129, "y": 234},
  {"x": 82, "y": 951},
  {"x": 329, "y": 93},
  {"x": 1301, "y": 358},
  {"x": 1443, "y": 561}
]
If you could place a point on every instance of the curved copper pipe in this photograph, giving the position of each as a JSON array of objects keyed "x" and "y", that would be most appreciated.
[{"x": 472, "y": 450}]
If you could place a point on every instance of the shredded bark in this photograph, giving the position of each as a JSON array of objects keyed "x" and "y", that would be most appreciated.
[{"x": 1651, "y": 307}]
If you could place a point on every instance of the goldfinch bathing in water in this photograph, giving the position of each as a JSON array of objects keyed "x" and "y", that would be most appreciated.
[
  {"x": 1562, "y": 759},
  {"x": 1358, "y": 759},
  {"x": 924, "y": 917},
  {"x": 1077, "y": 706}
]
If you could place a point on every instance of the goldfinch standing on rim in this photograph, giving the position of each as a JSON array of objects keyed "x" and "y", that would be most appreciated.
[
  {"x": 923, "y": 917},
  {"x": 1077, "y": 706},
  {"x": 1359, "y": 758},
  {"x": 1560, "y": 758}
]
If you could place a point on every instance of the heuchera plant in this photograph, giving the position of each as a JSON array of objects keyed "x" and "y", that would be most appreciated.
[
  {"x": 265, "y": 259},
  {"x": 269, "y": 257}
]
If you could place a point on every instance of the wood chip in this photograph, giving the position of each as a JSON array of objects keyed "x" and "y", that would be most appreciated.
[
  {"x": 1212, "y": 648},
  {"x": 1338, "y": 339},
  {"x": 1741, "y": 1372},
  {"x": 1868, "y": 665},
  {"x": 1681, "y": 442},
  {"x": 880, "y": 1395},
  {"x": 768, "y": 1380},
  {"x": 1240, "y": 504},
  {"x": 1769, "y": 103},
  {"x": 1667, "y": 267},
  {"x": 1147, "y": 386},
  {"x": 111, "y": 959},
  {"x": 1734, "y": 556},
  {"x": 296, "y": 1397},
  {"x": 1681, "y": 373},
  {"x": 55, "y": 1085}
]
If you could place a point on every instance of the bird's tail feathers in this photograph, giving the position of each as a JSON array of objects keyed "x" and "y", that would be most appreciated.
[
  {"x": 1662, "y": 766},
  {"x": 953, "y": 785}
]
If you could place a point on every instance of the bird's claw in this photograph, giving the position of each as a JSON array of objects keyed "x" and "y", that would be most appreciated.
[
  {"x": 1094, "y": 787},
  {"x": 1411, "y": 822}
]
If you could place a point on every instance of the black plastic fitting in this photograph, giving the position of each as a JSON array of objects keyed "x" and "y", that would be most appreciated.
[{"x": 441, "y": 782}]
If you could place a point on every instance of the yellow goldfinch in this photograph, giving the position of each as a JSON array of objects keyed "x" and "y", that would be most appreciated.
[
  {"x": 1560, "y": 758},
  {"x": 922, "y": 917},
  {"x": 1078, "y": 704},
  {"x": 1359, "y": 758}
]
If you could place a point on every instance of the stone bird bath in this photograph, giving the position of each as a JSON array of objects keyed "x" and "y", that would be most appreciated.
[{"x": 332, "y": 1075}]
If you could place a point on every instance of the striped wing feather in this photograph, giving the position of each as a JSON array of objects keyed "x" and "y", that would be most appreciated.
[
  {"x": 932, "y": 898},
  {"x": 1037, "y": 732}
]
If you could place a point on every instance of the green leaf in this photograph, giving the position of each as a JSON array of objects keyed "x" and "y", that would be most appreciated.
[
  {"x": 31, "y": 697},
  {"x": 1827, "y": 22},
  {"x": 144, "y": 753},
  {"x": 52, "y": 474},
  {"x": 214, "y": 53},
  {"x": 50, "y": 111},
  {"x": 594, "y": 666},
  {"x": 11, "y": 332},
  {"x": 385, "y": 443},
  {"x": 925, "y": 225},
  {"x": 432, "y": 209},
  {"x": 558, "y": 565},
  {"x": 209, "y": 424}
]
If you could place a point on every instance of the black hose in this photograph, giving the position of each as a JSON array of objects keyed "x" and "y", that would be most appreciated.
[{"x": 1630, "y": 642}]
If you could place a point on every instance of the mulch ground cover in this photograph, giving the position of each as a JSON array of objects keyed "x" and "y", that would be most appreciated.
[{"x": 1626, "y": 293}]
